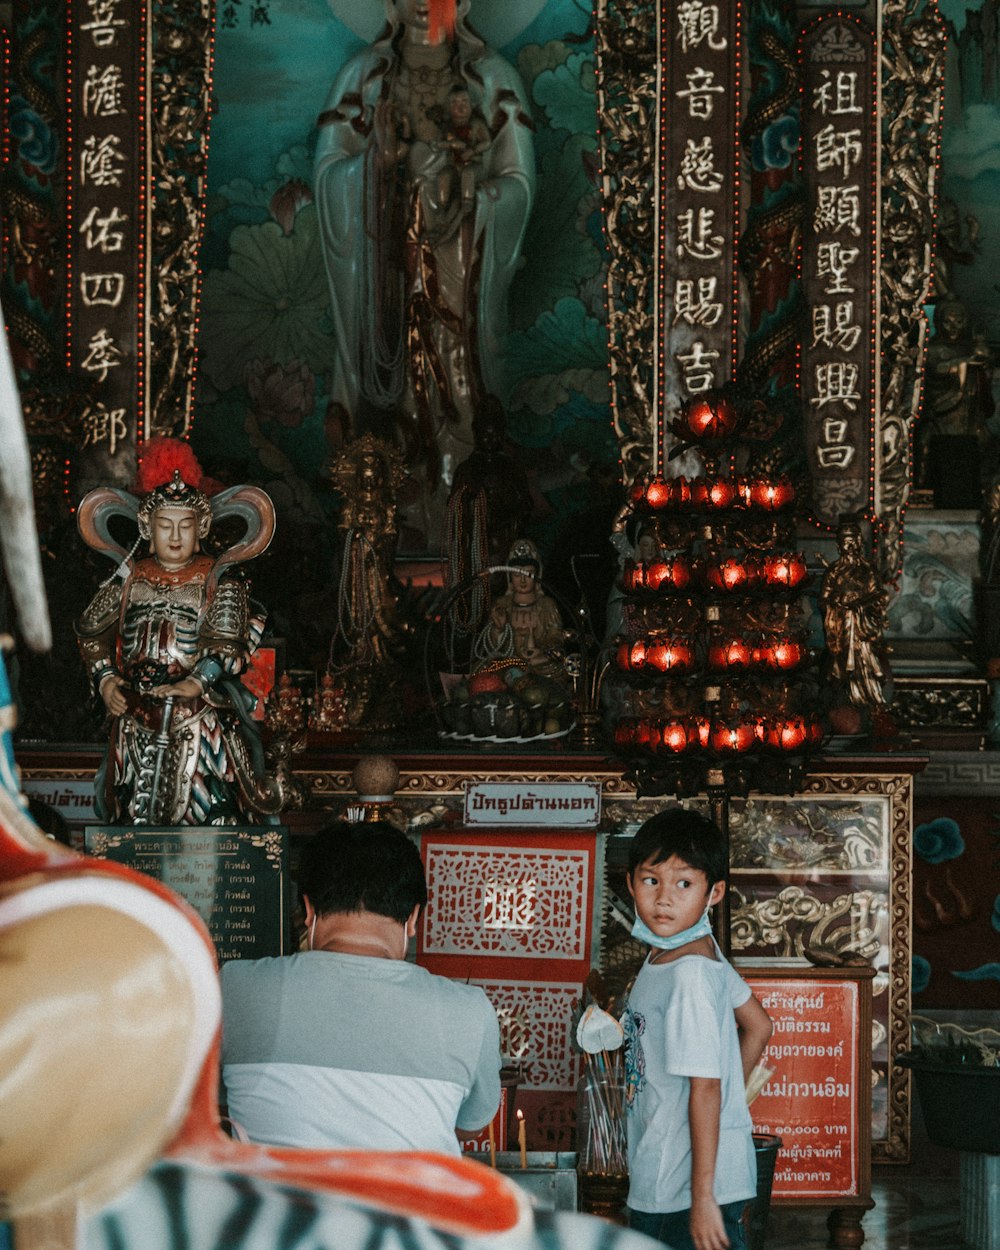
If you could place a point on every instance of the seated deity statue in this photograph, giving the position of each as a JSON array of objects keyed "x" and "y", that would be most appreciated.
[
  {"x": 525, "y": 624},
  {"x": 165, "y": 640}
]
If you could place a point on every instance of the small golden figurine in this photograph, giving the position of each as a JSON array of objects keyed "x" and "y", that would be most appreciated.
[
  {"x": 854, "y": 603},
  {"x": 286, "y": 712},
  {"x": 329, "y": 712},
  {"x": 369, "y": 635},
  {"x": 525, "y": 624}
]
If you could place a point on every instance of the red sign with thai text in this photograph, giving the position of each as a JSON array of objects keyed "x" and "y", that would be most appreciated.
[{"x": 811, "y": 1101}]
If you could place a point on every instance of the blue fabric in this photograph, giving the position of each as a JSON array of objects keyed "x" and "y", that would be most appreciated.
[
  {"x": 643, "y": 933},
  {"x": 673, "y": 1229}
]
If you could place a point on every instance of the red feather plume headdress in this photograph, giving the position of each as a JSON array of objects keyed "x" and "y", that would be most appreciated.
[
  {"x": 160, "y": 459},
  {"x": 169, "y": 476}
]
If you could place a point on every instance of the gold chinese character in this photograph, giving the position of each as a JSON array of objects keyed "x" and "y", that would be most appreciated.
[
  {"x": 102, "y": 355},
  {"x": 837, "y": 148},
  {"x": 695, "y": 237},
  {"x": 836, "y": 383},
  {"x": 699, "y": 91},
  {"x": 102, "y": 288},
  {"x": 699, "y": 23},
  {"x": 832, "y": 261},
  {"x": 103, "y": 425},
  {"x": 99, "y": 232},
  {"x": 834, "y": 326},
  {"x": 698, "y": 172},
  {"x": 838, "y": 96},
  {"x": 838, "y": 208},
  {"x": 694, "y": 301},
  {"x": 102, "y": 91},
  {"x": 104, "y": 24},
  {"x": 102, "y": 161},
  {"x": 698, "y": 367}
]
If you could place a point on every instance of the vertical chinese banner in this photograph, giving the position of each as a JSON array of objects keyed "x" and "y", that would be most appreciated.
[
  {"x": 839, "y": 263},
  {"x": 699, "y": 190},
  {"x": 105, "y": 215}
]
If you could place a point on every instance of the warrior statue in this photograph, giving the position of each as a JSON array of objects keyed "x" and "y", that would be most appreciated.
[{"x": 165, "y": 640}]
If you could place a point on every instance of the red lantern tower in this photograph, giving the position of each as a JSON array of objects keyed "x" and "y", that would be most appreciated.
[{"x": 714, "y": 657}]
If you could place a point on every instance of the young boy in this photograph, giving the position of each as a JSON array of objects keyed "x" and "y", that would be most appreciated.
[{"x": 691, "y": 1157}]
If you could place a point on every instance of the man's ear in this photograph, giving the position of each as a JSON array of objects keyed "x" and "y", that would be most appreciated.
[
  {"x": 309, "y": 909},
  {"x": 411, "y": 922},
  {"x": 628, "y": 882},
  {"x": 716, "y": 893}
]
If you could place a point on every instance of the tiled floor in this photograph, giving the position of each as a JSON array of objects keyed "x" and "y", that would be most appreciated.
[{"x": 916, "y": 1207}]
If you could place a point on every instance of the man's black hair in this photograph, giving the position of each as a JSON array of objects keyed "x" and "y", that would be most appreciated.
[
  {"x": 690, "y": 836},
  {"x": 348, "y": 867}
]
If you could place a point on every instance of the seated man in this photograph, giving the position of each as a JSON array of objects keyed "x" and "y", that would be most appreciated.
[{"x": 346, "y": 1044}]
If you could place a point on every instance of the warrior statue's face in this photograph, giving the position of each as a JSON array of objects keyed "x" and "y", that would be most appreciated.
[{"x": 174, "y": 536}]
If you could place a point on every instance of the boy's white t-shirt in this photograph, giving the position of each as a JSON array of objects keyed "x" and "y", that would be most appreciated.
[{"x": 678, "y": 1024}]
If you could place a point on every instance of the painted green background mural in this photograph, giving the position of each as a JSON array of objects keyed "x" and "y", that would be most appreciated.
[{"x": 266, "y": 344}]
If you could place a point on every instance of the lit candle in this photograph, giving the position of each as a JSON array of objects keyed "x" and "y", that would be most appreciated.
[
  {"x": 521, "y": 1139},
  {"x": 493, "y": 1147}
]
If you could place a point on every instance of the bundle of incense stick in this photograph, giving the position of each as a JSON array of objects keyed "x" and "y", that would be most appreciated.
[
  {"x": 758, "y": 1078},
  {"x": 604, "y": 1149}
]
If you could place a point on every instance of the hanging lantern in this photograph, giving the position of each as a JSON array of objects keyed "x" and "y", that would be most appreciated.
[
  {"x": 730, "y": 656},
  {"x": 785, "y": 570},
  {"x": 670, "y": 655},
  {"x": 709, "y": 418},
  {"x": 771, "y": 495},
  {"x": 782, "y": 654},
  {"x": 657, "y": 494},
  {"x": 732, "y": 575},
  {"x": 787, "y": 733},
  {"x": 676, "y": 736},
  {"x": 714, "y": 493},
  {"x": 742, "y": 490},
  {"x": 700, "y": 730},
  {"x": 671, "y": 574},
  {"x": 734, "y": 738}
]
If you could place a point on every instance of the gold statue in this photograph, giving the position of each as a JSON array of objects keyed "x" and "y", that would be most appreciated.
[
  {"x": 369, "y": 635},
  {"x": 329, "y": 712},
  {"x": 854, "y": 603},
  {"x": 165, "y": 640},
  {"x": 525, "y": 625}
]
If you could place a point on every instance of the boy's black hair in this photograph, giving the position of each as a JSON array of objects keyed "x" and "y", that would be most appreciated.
[
  {"x": 690, "y": 836},
  {"x": 348, "y": 867}
]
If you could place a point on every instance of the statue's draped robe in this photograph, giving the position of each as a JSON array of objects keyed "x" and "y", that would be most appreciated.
[{"x": 453, "y": 316}]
